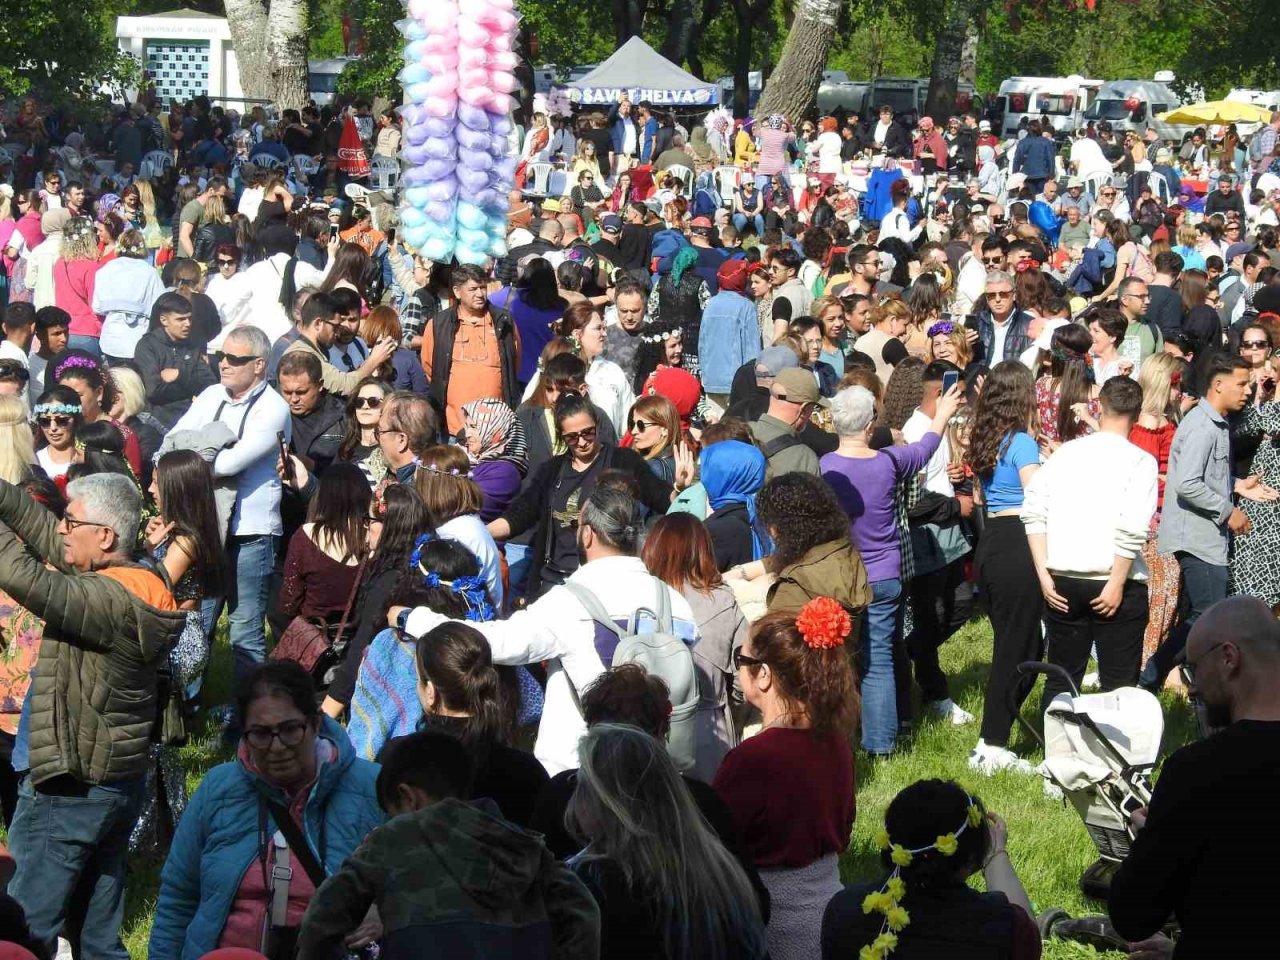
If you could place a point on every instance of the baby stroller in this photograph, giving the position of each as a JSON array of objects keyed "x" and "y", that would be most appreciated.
[{"x": 1099, "y": 750}]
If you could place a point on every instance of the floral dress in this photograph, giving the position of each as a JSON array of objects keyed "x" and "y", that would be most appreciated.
[
  {"x": 166, "y": 779},
  {"x": 20, "y": 634},
  {"x": 1048, "y": 399},
  {"x": 1255, "y": 559}
]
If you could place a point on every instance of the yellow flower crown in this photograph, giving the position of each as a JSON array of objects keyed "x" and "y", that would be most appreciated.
[{"x": 887, "y": 900}]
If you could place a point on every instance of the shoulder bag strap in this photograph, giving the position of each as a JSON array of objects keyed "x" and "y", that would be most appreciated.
[
  {"x": 351, "y": 599},
  {"x": 663, "y": 609},
  {"x": 281, "y": 875},
  {"x": 595, "y": 609},
  {"x": 286, "y": 825}
]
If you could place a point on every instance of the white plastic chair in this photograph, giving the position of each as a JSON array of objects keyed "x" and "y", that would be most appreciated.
[
  {"x": 727, "y": 182},
  {"x": 157, "y": 161},
  {"x": 1095, "y": 183},
  {"x": 684, "y": 175},
  {"x": 267, "y": 162},
  {"x": 539, "y": 179},
  {"x": 384, "y": 172},
  {"x": 1160, "y": 188}
]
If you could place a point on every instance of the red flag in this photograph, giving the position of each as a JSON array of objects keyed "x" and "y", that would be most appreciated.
[{"x": 351, "y": 156}]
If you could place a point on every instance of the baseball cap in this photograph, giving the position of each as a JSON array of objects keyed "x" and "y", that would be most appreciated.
[
  {"x": 654, "y": 205},
  {"x": 984, "y": 125},
  {"x": 797, "y": 385},
  {"x": 1238, "y": 250},
  {"x": 773, "y": 360},
  {"x": 701, "y": 223},
  {"x": 611, "y": 224}
]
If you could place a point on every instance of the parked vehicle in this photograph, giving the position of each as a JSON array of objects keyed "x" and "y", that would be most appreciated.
[
  {"x": 907, "y": 96},
  {"x": 1062, "y": 99},
  {"x": 838, "y": 92},
  {"x": 322, "y": 78},
  {"x": 1261, "y": 98},
  {"x": 1134, "y": 105},
  {"x": 755, "y": 85}
]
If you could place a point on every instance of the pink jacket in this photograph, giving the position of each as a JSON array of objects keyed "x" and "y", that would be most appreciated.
[{"x": 73, "y": 292}]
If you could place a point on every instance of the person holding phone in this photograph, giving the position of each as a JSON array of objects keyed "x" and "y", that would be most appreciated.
[{"x": 866, "y": 482}]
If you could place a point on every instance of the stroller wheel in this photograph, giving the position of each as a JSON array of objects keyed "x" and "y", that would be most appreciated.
[
  {"x": 1095, "y": 882},
  {"x": 1045, "y": 922},
  {"x": 1095, "y": 931}
]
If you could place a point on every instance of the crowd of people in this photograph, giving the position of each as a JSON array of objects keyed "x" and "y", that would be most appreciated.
[{"x": 563, "y": 594}]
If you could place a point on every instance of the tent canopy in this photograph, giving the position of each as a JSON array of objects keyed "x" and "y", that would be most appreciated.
[{"x": 643, "y": 74}]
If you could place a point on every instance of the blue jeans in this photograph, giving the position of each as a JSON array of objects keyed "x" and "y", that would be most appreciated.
[
  {"x": 881, "y": 631},
  {"x": 80, "y": 342},
  {"x": 1204, "y": 584},
  {"x": 519, "y": 560},
  {"x": 740, "y": 221},
  {"x": 71, "y": 844},
  {"x": 253, "y": 559}
]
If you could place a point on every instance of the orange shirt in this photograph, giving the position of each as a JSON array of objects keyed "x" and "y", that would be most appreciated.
[
  {"x": 476, "y": 372},
  {"x": 368, "y": 239}
]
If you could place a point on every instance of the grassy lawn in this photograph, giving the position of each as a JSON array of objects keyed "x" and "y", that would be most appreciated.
[{"x": 1047, "y": 841}]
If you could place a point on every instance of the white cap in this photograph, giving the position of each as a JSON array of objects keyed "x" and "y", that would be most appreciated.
[{"x": 984, "y": 124}]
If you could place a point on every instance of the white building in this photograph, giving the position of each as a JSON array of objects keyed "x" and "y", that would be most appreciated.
[{"x": 185, "y": 53}]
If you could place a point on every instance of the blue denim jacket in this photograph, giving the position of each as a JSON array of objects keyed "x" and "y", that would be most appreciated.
[{"x": 728, "y": 338}]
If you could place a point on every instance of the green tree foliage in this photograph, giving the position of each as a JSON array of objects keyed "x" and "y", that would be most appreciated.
[{"x": 63, "y": 53}]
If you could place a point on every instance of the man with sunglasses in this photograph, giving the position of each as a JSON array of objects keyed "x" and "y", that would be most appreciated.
[
  {"x": 317, "y": 335},
  {"x": 1004, "y": 329},
  {"x": 256, "y": 415},
  {"x": 108, "y": 625},
  {"x": 1213, "y": 807}
]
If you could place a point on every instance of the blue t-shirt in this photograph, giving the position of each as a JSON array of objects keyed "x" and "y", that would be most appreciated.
[{"x": 1004, "y": 489}]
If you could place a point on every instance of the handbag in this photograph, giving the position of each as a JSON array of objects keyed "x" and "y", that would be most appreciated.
[{"x": 309, "y": 642}]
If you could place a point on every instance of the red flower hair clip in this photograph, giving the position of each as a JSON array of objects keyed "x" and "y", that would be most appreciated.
[
  {"x": 824, "y": 623},
  {"x": 1026, "y": 265}
]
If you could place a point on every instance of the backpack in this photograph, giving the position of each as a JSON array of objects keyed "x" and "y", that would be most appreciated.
[
  {"x": 706, "y": 202},
  {"x": 1255, "y": 147},
  {"x": 660, "y": 652}
]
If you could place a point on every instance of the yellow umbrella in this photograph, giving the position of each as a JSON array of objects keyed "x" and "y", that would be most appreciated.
[{"x": 1217, "y": 111}]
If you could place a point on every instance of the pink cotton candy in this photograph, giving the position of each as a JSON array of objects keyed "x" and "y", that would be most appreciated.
[
  {"x": 442, "y": 106},
  {"x": 502, "y": 82}
]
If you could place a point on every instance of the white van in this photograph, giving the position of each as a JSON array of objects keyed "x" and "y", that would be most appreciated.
[
  {"x": 907, "y": 96},
  {"x": 1134, "y": 105},
  {"x": 1062, "y": 99},
  {"x": 322, "y": 78},
  {"x": 1270, "y": 99}
]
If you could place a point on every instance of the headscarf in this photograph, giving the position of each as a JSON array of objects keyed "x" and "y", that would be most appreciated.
[
  {"x": 775, "y": 121},
  {"x": 501, "y": 434},
  {"x": 685, "y": 259},
  {"x": 733, "y": 274},
  {"x": 107, "y": 203},
  {"x": 733, "y": 472},
  {"x": 679, "y": 386}
]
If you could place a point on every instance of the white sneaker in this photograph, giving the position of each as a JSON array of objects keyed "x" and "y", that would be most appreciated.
[
  {"x": 987, "y": 759},
  {"x": 64, "y": 950},
  {"x": 1090, "y": 681},
  {"x": 948, "y": 709}
]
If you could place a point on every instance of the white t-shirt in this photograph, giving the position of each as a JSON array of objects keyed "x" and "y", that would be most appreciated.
[
  {"x": 9, "y": 352},
  {"x": 471, "y": 532},
  {"x": 50, "y": 468},
  {"x": 1087, "y": 158},
  {"x": 1001, "y": 333},
  {"x": 935, "y": 471}
]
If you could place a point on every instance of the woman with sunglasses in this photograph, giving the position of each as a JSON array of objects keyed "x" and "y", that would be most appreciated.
[
  {"x": 173, "y": 368},
  {"x": 654, "y": 426},
  {"x": 555, "y": 491},
  {"x": 294, "y": 765},
  {"x": 360, "y": 429},
  {"x": 56, "y": 416}
]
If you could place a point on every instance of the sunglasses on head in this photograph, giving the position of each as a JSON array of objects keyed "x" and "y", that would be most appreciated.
[
  {"x": 368, "y": 403},
  {"x": 233, "y": 359}
]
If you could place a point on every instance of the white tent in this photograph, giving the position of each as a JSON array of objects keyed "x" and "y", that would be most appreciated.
[{"x": 643, "y": 74}]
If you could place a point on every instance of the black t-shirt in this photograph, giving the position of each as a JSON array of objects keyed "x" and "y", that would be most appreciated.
[
  {"x": 297, "y": 139},
  {"x": 1210, "y": 824},
  {"x": 1165, "y": 310},
  {"x": 604, "y": 145},
  {"x": 570, "y": 492}
]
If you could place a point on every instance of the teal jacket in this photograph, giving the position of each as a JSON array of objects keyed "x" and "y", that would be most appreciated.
[{"x": 217, "y": 841}]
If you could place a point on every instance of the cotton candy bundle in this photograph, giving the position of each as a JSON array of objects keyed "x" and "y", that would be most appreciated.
[{"x": 458, "y": 78}]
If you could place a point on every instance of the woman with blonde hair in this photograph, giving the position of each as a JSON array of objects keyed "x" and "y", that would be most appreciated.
[
  {"x": 453, "y": 500},
  {"x": 74, "y": 274},
  {"x": 216, "y": 228},
  {"x": 1161, "y": 381},
  {"x": 17, "y": 446},
  {"x": 948, "y": 342},
  {"x": 654, "y": 425}
]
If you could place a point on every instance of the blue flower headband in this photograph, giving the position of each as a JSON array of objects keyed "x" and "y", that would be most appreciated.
[
  {"x": 473, "y": 590},
  {"x": 71, "y": 408}
]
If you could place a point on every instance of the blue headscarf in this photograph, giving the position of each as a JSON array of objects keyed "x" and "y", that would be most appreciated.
[{"x": 733, "y": 472}]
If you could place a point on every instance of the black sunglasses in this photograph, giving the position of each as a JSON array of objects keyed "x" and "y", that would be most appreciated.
[
  {"x": 226, "y": 263},
  {"x": 233, "y": 359},
  {"x": 741, "y": 660},
  {"x": 586, "y": 435},
  {"x": 370, "y": 403},
  {"x": 54, "y": 421}
]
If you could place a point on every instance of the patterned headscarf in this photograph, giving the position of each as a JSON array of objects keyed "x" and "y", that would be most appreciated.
[
  {"x": 107, "y": 203},
  {"x": 501, "y": 434},
  {"x": 685, "y": 258},
  {"x": 775, "y": 121}
]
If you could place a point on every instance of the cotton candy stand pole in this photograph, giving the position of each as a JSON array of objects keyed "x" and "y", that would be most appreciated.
[
  {"x": 486, "y": 167},
  {"x": 429, "y": 203}
]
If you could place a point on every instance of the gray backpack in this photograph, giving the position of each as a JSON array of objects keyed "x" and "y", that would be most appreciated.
[{"x": 660, "y": 652}]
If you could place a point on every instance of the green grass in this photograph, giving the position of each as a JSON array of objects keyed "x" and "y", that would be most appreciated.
[{"x": 1047, "y": 841}]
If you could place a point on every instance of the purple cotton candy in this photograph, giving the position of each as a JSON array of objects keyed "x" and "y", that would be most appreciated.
[
  {"x": 439, "y": 210},
  {"x": 438, "y": 169},
  {"x": 485, "y": 198},
  {"x": 444, "y": 190},
  {"x": 412, "y": 113},
  {"x": 500, "y": 126},
  {"x": 441, "y": 127},
  {"x": 470, "y": 139},
  {"x": 472, "y": 180},
  {"x": 475, "y": 160},
  {"x": 473, "y": 117}
]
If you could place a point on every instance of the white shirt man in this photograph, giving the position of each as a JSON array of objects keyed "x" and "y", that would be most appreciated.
[
  {"x": 557, "y": 628},
  {"x": 1087, "y": 159}
]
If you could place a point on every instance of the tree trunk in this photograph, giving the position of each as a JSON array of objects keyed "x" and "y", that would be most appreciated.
[
  {"x": 946, "y": 59},
  {"x": 969, "y": 54},
  {"x": 247, "y": 21},
  {"x": 742, "y": 60},
  {"x": 287, "y": 49},
  {"x": 793, "y": 87},
  {"x": 628, "y": 19},
  {"x": 682, "y": 24}
]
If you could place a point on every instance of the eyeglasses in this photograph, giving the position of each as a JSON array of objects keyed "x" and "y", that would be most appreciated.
[
  {"x": 741, "y": 660},
  {"x": 378, "y": 431},
  {"x": 1189, "y": 666},
  {"x": 225, "y": 263},
  {"x": 289, "y": 734},
  {"x": 55, "y": 421},
  {"x": 233, "y": 359},
  {"x": 999, "y": 294},
  {"x": 1139, "y": 296},
  {"x": 368, "y": 403},
  {"x": 584, "y": 436},
  {"x": 1254, "y": 344},
  {"x": 71, "y": 523}
]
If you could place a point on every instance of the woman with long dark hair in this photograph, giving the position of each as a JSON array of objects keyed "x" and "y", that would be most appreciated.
[
  {"x": 353, "y": 268},
  {"x": 186, "y": 546},
  {"x": 85, "y": 374},
  {"x": 679, "y": 552},
  {"x": 535, "y": 304},
  {"x": 360, "y": 429},
  {"x": 325, "y": 553},
  {"x": 794, "y": 668},
  {"x": 1004, "y": 455},
  {"x": 1070, "y": 381},
  {"x": 57, "y": 417},
  {"x": 397, "y": 520},
  {"x": 100, "y": 449},
  {"x": 666, "y": 885}
]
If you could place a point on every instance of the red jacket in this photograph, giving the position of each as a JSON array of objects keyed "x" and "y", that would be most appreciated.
[{"x": 73, "y": 292}]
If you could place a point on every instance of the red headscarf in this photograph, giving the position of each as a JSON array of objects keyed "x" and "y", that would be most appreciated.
[
  {"x": 733, "y": 274},
  {"x": 679, "y": 386}
]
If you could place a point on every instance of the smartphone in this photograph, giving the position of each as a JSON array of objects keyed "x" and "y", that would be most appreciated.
[
  {"x": 971, "y": 321},
  {"x": 949, "y": 380},
  {"x": 333, "y": 231},
  {"x": 284, "y": 458}
]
